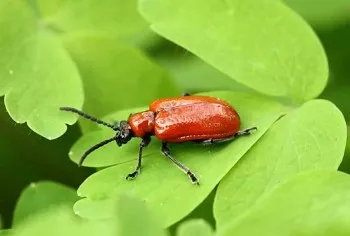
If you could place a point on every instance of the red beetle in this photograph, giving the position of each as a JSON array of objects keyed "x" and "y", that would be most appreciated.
[{"x": 201, "y": 119}]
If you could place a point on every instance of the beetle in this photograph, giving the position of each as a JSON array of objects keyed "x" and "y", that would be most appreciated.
[{"x": 202, "y": 119}]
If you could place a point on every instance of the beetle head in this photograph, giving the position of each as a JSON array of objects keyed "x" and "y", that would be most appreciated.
[{"x": 124, "y": 133}]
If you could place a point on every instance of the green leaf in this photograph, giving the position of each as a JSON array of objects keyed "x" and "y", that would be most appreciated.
[
  {"x": 161, "y": 185},
  {"x": 195, "y": 75},
  {"x": 119, "y": 17},
  {"x": 134, "y": 219},
  {"x": 324, "y": 15},
  {"x": 60, "y": 221},
  {"x": 261, "y": 44},
  {"x": 130, "y": 217},
  {"x": 195, "y": 227},
  {"x": 311, "y": 137},
  {"x": 315, "y": 203},
  {"x": 5, "y": 232},
  {"x": 37, "y": 74},
  {"x": 116, "y": 75},
  {"x": 111, "y": 17},
  {"x": 345, "y": 165},
  {"x": 40, "y": 196}
]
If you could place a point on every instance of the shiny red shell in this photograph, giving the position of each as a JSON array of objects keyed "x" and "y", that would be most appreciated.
[{"x": 186, "y": 118}]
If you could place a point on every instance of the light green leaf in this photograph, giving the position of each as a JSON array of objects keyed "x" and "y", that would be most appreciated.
[
  {"x": 261, "y": 44},
  {"x": 36, "y": 74},
  {"x": 111, "y": 16},
  {"x": 316, "y": 203},
  {"x": 40, "y": 196},
  {"x": 322, "y": 13},
  {"x": 130, "y": 217},
  {"x": 311, "y": 137},
  {"x": 134, "y": 219},
  {"x": 195, "y": 227},
  {"x": 116, "y": 75},
  {"x": 194, "y": 75},
  {"x": 161, "y": 185},
  {"x": 60, "y": 221}
]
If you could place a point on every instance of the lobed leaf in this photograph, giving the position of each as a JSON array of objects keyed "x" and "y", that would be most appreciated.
[
  {"x": 39, "y": 196},
  {"x": 312, "y": 137},
  {"x": 135, "y": 219},
  {"x": 110, "y": 16},
  {"x": 116, "y": 75},
  {"x": 261, "y": 44},
  {"x": 313, "y": 203},
  {"x": 37, "y": 75},
  {"x": 59, "y": 221},
  {"x": 195, "y": 227},
  {"x": 162, "y": 186}
]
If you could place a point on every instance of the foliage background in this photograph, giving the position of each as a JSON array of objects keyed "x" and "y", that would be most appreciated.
[{"x": 99, "y": 40}]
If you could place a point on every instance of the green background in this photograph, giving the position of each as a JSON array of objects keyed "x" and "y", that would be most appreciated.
[{"x": 283, "y": 65}]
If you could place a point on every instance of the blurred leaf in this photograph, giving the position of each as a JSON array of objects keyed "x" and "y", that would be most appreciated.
[
  {"x": 119, "y": 17},
  {"x": 203, "y": 211},
  {"x": 26, "y": 157},
  {"x": 261, "y": 44},
  {"x": 130, "y": 218},
  {"x": 194, "y": 75},
  {"x": 33, "y": 87},
  {"x": 322, "y": 13},
  {"x": 210, "y": 164},
  {"x": 112, "y": 17},
  {"x": 315, "y": 203},
  {"x": 5, "y": 232},
  {"x": 312, "y": 137},
  {"x": 195, "y": 227},
  {"x": 60, "y": 221},
  {"x": 116, "y": 76},
  {"x": 345, "y": 165},
  {"x": 40, "y": 196},
  {"x": 336, "y": 43},
  {"x": 134, "y": 219}
]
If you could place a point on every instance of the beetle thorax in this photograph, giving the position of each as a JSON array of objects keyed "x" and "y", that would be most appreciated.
[{"x": 142, "y": 123}]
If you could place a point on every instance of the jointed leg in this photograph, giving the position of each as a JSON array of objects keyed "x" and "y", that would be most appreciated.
[
  {"x": 222, "y": 140},
  {"x": 245, "y": 132},
  {"x": 187, "y": 171},
  {"x": 145, "y": 141}
]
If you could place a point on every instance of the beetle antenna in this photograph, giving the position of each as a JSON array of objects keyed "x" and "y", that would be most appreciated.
[
  {"x": 93, "y": 148},
  {"x": 87, "y": 116}
]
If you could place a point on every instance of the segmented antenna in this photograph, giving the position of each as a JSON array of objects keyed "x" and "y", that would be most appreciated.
[
  {"x": 87, "y": 116},
  {"x": 90, "y": 150}
]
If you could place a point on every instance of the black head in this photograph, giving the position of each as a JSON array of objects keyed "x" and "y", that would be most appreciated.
[{"x": 123, "y": 132}]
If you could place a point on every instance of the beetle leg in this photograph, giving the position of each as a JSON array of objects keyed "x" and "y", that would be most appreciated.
[
  {"x": 145, "y": 141},
  {"x": 222, "y": 140},
  {"x": 186, "y": 170},
  {"x": 244, "y": 132}
]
